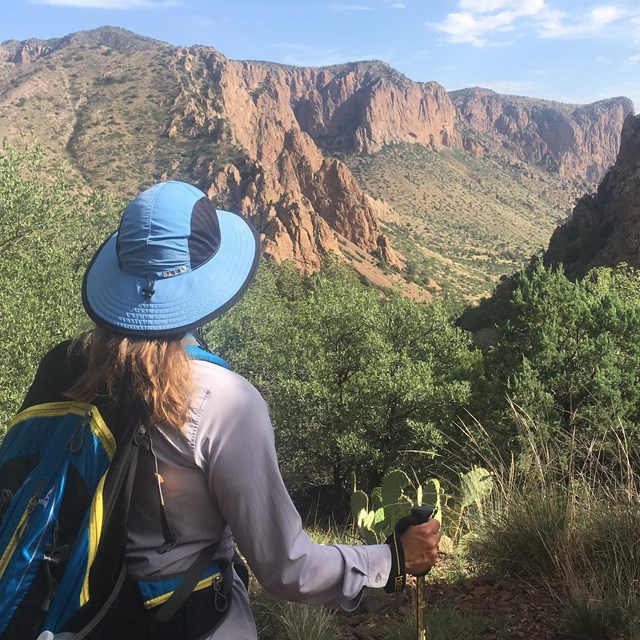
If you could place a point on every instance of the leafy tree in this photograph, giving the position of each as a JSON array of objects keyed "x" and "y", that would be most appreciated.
[
  {"x": 570, "y": 355},
  {"x": 47, "y": 235},
  {"x": 353, "y": 378}
]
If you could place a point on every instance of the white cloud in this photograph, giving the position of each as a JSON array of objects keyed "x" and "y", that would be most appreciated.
[
  {"x": 482, "y": 6},
  {"x": 557, "y": 24},
  {"x": 478, "y": 19},
  {"x": 108, "y": 4},
  {"x": 634, "y": 59},
  {"x": 398, "y": 5},
  {"x": 520, "y": 7}
]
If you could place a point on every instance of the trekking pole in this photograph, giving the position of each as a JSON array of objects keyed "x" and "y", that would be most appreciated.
[{"x": 421, "y": 514}]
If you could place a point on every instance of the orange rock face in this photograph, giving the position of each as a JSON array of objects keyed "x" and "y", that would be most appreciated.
[
  {"x": 604, "y": 228},
  {"x": 267, "y": 138},
  {"x": 23, "y": 52},
  {"x": 301, "y": 200},
  {"x": 575, "y": 140}
]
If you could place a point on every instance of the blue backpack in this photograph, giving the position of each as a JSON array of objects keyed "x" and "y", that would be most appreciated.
[{"x": 66, "y": 476}]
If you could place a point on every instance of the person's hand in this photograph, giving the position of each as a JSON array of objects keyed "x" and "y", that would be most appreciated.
[{"x": 420, "y": 543}]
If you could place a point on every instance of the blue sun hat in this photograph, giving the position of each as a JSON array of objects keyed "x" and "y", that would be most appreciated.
[{"x": 174, "y": 264}]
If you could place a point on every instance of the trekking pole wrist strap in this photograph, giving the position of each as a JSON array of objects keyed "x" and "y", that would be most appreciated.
[{"x": 397, "y": 576}]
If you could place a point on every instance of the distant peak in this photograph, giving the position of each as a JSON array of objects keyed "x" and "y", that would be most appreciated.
[
  {"x": 115, "y": 38},
  {"x": 461, "y": 96}
]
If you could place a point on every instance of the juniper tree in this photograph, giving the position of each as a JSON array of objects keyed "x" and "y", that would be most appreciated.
[
  {"x": 570, "y": 356},
  {"x": 353, "y": 377}
]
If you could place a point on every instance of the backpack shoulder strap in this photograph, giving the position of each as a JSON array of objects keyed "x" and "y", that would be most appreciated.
[
  {"x": 123, "y": 476},
  {"x": 195, "y": 352}
]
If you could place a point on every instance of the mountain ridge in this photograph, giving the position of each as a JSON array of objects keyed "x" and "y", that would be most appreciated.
[{"x": 270, "y": 140}]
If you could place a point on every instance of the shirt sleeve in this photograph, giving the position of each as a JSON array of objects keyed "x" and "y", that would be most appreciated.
[{"x": 244, "y": 477}]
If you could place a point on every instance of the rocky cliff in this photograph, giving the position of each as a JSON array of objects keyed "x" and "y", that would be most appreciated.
[
  {"x": 301, "y": 200},
  {"x": 604, "y": 228},
  {"x": 576, "y": 140},
  {"x": 25, "y": 52},
  {"x": 268, "y": 139},
  {"x": 359, "y": 108}
]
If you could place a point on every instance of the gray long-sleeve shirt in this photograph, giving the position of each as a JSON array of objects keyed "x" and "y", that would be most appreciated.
[{"x": 220, "y": 476}]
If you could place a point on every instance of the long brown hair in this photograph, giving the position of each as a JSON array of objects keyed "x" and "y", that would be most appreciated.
[{"x": 156, "y": 371}]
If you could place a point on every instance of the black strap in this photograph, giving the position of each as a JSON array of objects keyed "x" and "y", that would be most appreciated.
[
  {"x": 170, "y": 539},
  {"x": 95, "y": 621},
  {"x": 190, "y": 580},
  {"x": 133, "y": 451},
  {"x": 241, "y": 569}
]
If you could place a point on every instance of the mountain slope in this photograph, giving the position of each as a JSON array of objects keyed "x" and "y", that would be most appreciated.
[
  {"x": 279, "y": 144},
  {"x": 572, "y": 140},
  {"x": 602, "y": 230},
  {"x": 462, "y": 220}
]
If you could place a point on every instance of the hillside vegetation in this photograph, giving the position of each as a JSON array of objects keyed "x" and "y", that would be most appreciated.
[
  {"x": 464, "y": 221},
  {"x": 105, "y": 112}
]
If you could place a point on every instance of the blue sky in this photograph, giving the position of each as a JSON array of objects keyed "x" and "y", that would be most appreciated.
[{"x": 566, "y": 50}]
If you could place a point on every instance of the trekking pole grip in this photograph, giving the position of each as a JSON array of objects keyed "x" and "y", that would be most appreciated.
[{"x": 421, "y": 515}]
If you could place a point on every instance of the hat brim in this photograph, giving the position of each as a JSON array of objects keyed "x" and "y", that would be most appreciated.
[{"x": 114, "y": 299}]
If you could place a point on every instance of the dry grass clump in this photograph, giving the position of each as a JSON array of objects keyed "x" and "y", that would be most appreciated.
[{"x": 571, "y": 516}]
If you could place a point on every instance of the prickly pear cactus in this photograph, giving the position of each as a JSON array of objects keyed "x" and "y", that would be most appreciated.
[
  {"x": 365, "y": 526},
  {"x": 359, "y": 502},
  {"x": 376, "y": 498},
  {"x": 432, "y": 495},
  {"x": 393, "y": 486},
  {"x": 475, "y": 487},
  {"x": 388, "y": 504},
  {"x": 376, "y": 516}
]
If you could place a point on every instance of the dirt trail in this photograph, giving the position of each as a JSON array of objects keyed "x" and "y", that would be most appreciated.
[{"x": 528, "y": 610}]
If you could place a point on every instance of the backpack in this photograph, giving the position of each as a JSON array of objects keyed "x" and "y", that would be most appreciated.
[{"x": 66, "y": 476}]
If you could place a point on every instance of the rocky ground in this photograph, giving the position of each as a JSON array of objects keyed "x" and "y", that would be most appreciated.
[{"x": 495, "y": 610}]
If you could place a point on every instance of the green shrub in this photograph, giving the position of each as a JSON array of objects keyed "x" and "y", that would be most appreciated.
[
  {"x": 569, "y": 357},
  {"x": 48, "y": 233},
  {"x": 354, "y": 379}
]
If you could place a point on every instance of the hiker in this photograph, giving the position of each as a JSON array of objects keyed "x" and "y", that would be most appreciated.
[{"x": 210, "y": 474}]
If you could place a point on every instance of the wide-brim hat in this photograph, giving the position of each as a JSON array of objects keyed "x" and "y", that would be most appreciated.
[{"x": 175, "y": 263}]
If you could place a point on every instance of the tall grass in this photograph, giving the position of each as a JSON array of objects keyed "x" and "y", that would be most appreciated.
[
  {"x": 280, "y": 620},
  {"x": 600, "y": 568},
  {"x": 568, "y": 512}
]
